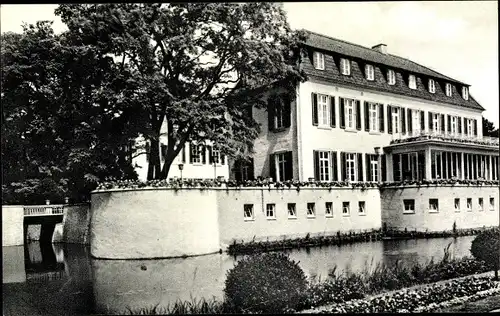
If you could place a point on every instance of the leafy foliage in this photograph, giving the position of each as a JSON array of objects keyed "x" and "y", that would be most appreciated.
[
  {"x": 265, "y": 283},
  {"x": 489, "y": 128},
  {"x": 64, "y": 127},
  {"x": 195, "y": 67},
  {"x": 486, "y": 247}
]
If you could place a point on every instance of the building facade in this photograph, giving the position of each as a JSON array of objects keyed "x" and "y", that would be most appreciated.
[{"x": 366, "y": 115}]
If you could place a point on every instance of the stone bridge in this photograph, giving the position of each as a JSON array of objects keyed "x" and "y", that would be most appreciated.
[{"x": 69, "y": 223}]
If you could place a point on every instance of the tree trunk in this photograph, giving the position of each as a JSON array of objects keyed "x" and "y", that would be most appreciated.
[
  {"x": 166, "y": 166},
  {"x": 154, "y": 159}
]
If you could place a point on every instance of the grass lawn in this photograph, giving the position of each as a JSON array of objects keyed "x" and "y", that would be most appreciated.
[{"x": 485, "y": 305}]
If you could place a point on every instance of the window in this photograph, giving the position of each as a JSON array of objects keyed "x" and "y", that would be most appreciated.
[
  {"x": 345, "y": 66},
  {"x": 281, "y": 164},
  {"x": 412, "y": 82},
  {"x": 492, "y": 204},
  {"x": 457, "y": 205},
  {"x": 432, "y": 86},
  {"x": 470, "y": 127},
  {"x": 465, "y": 93},
  {"x": 271, "y": 211},
  {"x": 370, "y": 72},
  {"x": 350, "y": 114},
  {"x": 292, "y": 210},
  {"x": 436, "y": 122},
  {"x": 373, "y": 117},
  {"x": 433, "y": 205},
  {"x": 448, "y": 89},
  {"x": 311, "y": 212},
  {"x": 319, "y": 60},
  {"x": 480, "y": 203},
  {"x": 323, "y": 110},
  {"x": 248, "y": 211},
  {"x": 329, "y": 209},
  {"x": 278, "y": 112},
  {"x": 409, "y": 206},
  {"x": 361, "y": 207},
  {"x": 197, "y": 154},
  {"x": 416, "y": 117},
  {"x": 350, "y": 163},
  {"x": 469, "y": 204},
  {"x": 215, "y": 156},
  {"x": 453, "y": 125},
  {"x": 346, "y": 209},
  {"x": 324, "y": 166},
  {"x": 395, "y": 120},
  {"x": 391, "y": 77},
  {"x": 373, "y": 168}
]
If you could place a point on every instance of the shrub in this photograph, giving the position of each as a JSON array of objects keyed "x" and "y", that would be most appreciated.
[
  {"x": 265, "y": 283},
  {"x": 486, "y": 247}
]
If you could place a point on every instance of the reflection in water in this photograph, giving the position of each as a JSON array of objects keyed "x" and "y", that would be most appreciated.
[{"x": 112, "y": 286}]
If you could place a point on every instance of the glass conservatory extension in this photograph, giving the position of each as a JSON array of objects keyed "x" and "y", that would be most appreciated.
[{"x": 439, "y": 157}]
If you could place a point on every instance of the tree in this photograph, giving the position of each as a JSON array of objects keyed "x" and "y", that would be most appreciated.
[
  {"x": 195, "y": 66},
  {"x": 63, "y": 125},
  {"x": 486, "y": 247},
  {"x": 489, "y": 129}
]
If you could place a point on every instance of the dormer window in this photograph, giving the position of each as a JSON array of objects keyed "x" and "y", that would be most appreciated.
[
  {"x": 412, "y": 82},
  {"x": 465, "y": 93},
  {"x": 432, "y": 86},
  {"x": 345, "y": 66},
  {"x": 370, "y": 72},
  {"x": 319, "y": 61},
  {"x": 448, "y": 89},
  {"x": 391, "y": 77}
]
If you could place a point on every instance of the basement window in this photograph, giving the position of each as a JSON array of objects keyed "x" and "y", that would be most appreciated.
[
  {"x": 433, "y": 205},
  {"x": 409, "y": 206},
  {"x": 311, "y": 212},
  {"x": 248, "y": 212}
]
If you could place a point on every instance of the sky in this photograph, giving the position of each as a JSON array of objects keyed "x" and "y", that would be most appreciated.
[{"x": 456, "y": 38}]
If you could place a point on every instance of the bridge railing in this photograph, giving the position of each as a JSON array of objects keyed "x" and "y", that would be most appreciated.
[{"x": 42, "y": 210}]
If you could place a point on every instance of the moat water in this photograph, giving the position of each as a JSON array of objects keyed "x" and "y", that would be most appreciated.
[{"x": 62, "y": 279}]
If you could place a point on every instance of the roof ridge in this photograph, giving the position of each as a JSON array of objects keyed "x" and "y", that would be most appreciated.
[{"x": 392, "y": 55}]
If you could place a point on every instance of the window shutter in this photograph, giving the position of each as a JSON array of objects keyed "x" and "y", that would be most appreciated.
[
  {"x": 410, "y": 121},
  {"x": 222, "y": 159},
  {"x": 333, "y": 154},
  {"x": 314, "y": 102},
  {"x": 359, "y": 163},
  {"x": 381, "y": 117},
  {"x": 475, "y": 127},
  {"x": 210, "y": 153},
  {"x": 332, "y": 111},
  {"x": 203, "y": 155},
  {"x": 449, "y": 123},
  {"x": 402, "y": 117},
  {"x": 383, "y": 169},
  {"x": 316, "y": 164},
  {"x": 251, "y": 174},
  {"x": 342, "y": 113},
  {"x": 272, "y": 167},
  {"x": 288, "y": 165},
  {"x": 368, "y": 167},
  {"x": 271, "y": 104},
  {"x": 358, "y": 115},
  {"x": 367, "y": 117},
  {"x": 459, "y": 119},
  {"x": 442, "y": 123},
  {"x": 430, "y": 121},
  {"x": 422, "y": 121},
  {"x": 183, "y": 153},
  {"x": 389, "y": 119},
  {"x": 342, "y": 166},
  {"x": 191, "y": 152},
  {"x": 287, "y": 110}
]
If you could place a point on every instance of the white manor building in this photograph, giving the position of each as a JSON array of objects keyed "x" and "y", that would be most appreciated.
[{"x": 367, "y": 115}]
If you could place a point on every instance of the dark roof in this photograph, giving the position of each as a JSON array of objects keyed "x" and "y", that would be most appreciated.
[{"x": 382, "y": 62}]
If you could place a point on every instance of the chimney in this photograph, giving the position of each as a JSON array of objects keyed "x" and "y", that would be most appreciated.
[{"x": 381, "y": 48}]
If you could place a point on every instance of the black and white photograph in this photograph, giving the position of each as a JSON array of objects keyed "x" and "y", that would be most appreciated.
[{"x": 250, "y": 158}]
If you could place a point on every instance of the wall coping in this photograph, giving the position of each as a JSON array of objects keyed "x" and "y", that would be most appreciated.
[
  {"x": 425, "y": 186},
  {"x": 233, "y": 189}
]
